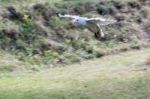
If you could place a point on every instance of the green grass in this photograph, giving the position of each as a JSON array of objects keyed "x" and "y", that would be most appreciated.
[{"x": 111, "y": 77}]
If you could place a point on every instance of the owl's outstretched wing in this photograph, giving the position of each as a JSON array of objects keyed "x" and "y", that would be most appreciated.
[
  {"x": 68, "y": 16},
  {"x": 102, "y": 21}
]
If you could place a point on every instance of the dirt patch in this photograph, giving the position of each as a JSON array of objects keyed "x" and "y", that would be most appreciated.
[
  {"x": 12, "y": 33},
  {"x": 147, "y": 62}
]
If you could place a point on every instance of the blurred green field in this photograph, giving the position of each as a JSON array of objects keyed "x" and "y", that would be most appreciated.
[{"x": 113, "y": 77}]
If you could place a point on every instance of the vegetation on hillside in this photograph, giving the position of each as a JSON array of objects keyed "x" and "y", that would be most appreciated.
[{"x": 32, "y": 32}]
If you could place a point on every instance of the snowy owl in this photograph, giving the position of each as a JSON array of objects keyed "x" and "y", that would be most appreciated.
[{"x": 93, "y": 24}]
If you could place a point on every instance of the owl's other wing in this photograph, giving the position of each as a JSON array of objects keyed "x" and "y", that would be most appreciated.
[
  {"x": 96, "y": 29},
  {"x": 102, "y": 21}
]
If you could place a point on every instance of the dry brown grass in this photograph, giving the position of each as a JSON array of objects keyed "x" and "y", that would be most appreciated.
[{"x": 147, "y": 62}]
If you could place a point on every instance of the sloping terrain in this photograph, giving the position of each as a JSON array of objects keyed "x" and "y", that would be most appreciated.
[
  {"x": 122, "y": 76},
  {"x": 32, "y": 32}
]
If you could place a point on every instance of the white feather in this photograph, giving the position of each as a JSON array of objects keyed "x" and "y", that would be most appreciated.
[
  {"x": 68, "y": 16},
  {"x": 102, "y": 21}
]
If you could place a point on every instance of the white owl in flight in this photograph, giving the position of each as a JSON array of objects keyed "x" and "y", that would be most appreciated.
[{"x": 93, "y": 24}]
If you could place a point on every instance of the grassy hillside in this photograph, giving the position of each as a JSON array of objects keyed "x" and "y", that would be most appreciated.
[
  {"x": 32, "y": 32},
  {"x": 33, "y": 39}
]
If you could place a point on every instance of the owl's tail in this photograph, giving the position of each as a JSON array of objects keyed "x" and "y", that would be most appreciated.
[{"x": 100, "y": 35}]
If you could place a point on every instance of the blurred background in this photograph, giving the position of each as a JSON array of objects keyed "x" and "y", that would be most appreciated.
[{"x": 33, "y": 39}]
